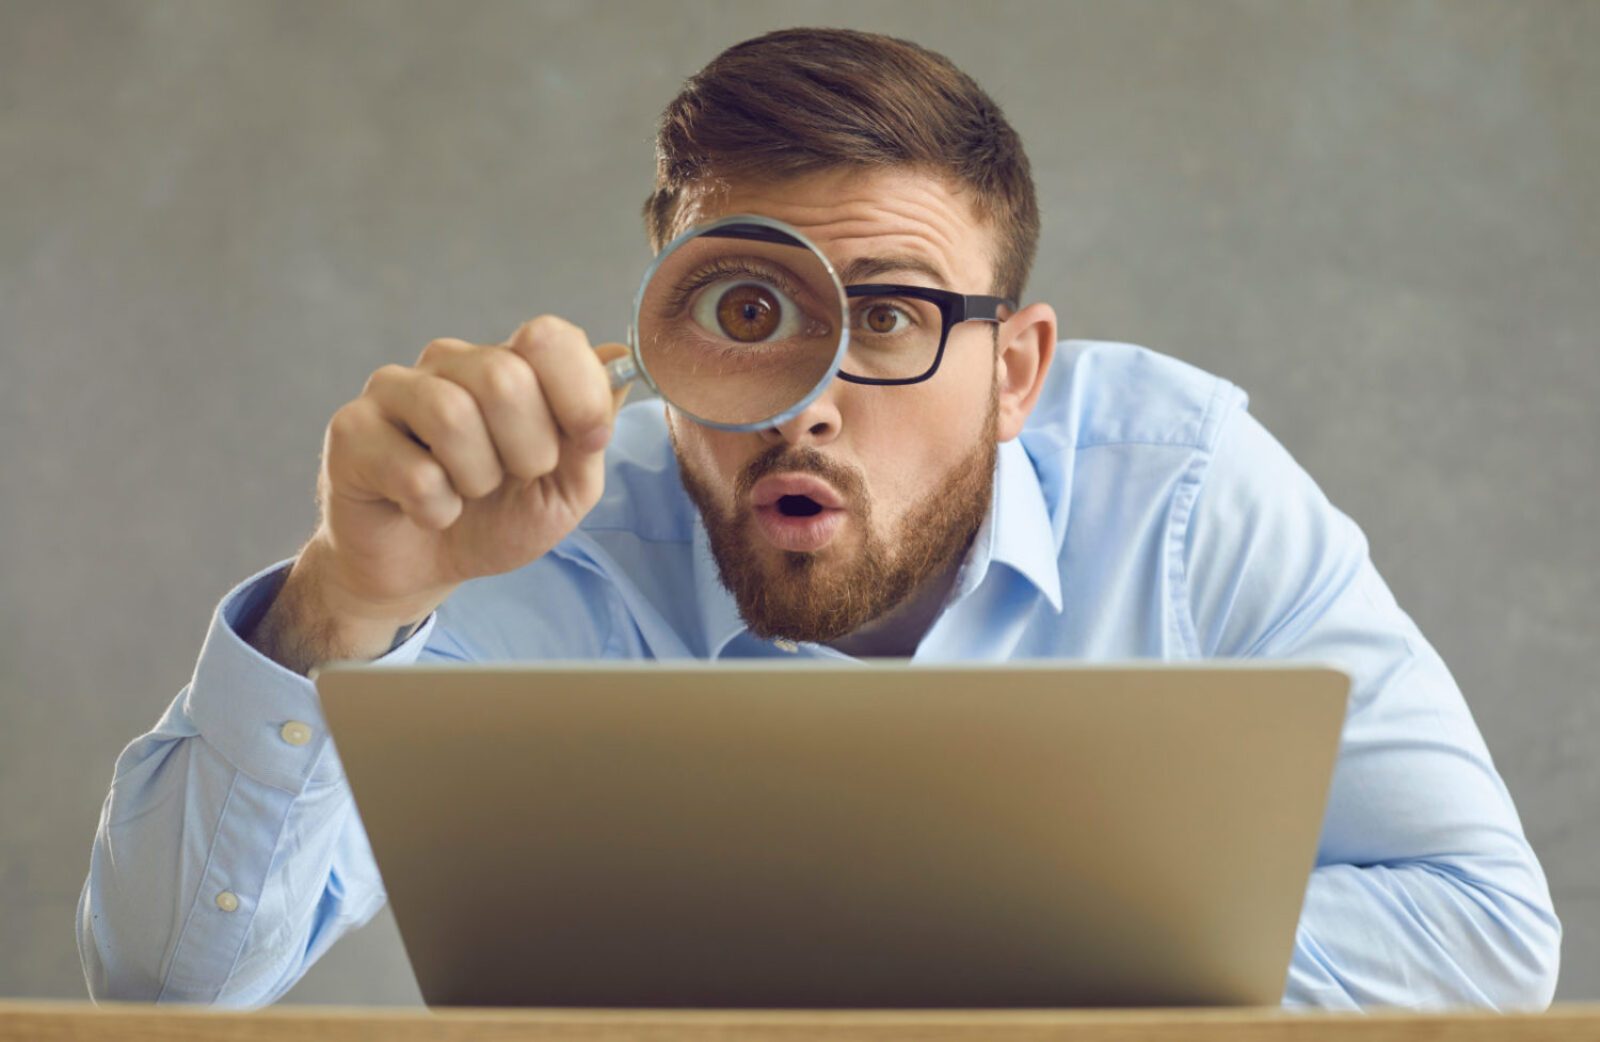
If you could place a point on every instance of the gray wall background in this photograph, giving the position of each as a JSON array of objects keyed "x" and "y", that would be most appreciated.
[{"x": 216, "y": 218}]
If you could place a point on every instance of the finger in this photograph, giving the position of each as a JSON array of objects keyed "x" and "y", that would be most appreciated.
[
  {"x": 581, "y": 474},
  {"x": 508, "y": 395},
  {"x": 572, "y": 379},
  {"x": 369, "y": 457},
  {"x": 445, "y": 418}
]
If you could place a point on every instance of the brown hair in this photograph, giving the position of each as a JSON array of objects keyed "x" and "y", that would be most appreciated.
[{"x": 804, "y": 101}]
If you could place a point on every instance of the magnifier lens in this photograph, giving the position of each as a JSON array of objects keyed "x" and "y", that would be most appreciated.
[{"x": 740, "y": 323}]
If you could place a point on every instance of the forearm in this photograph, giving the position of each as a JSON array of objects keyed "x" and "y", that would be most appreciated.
[
  {"x": 1421, "y": 935},
  {"x": 1427, "y": 892},
  {"x": 190, "y": 897},
  {"x": 228, "y": 854}
]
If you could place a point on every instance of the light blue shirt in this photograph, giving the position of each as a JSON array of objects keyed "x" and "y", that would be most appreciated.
[{"x": 1142, "y": 513}]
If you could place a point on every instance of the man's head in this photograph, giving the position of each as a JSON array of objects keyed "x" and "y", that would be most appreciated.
[
  {"x": 805, "y": 101},
  {"x": 900, "y": 169}
]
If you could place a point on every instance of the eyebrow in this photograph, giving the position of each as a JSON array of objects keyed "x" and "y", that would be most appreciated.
[{"x": 864, "y": 269}]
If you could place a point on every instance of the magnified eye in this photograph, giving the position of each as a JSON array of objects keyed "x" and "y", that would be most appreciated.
[{"x": 749, "y": 312}]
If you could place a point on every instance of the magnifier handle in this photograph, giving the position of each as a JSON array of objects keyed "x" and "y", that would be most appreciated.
[{"x": 622, "y": 371}]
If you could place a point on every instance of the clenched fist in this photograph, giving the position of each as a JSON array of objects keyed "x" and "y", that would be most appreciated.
[{"x": 475, "y": 461}]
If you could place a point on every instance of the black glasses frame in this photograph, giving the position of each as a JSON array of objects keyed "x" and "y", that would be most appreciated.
[{"x": 955, "y": 307}]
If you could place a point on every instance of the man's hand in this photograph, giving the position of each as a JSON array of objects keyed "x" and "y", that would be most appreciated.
[{"x": 475, "y": 461}]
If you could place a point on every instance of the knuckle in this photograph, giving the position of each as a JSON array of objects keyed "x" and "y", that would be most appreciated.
[
  {"x": 345, "y": 427},
  {"x": 548, "y": 326},
  {"x": 452, "y": 408},
  {"x": 507, "y": 379},
  {"x": 546, "y": 332},
  {"x": 439, "y": 347},
  {"x": 382, "y": 377},
  {"x": 419, "y": 483}
]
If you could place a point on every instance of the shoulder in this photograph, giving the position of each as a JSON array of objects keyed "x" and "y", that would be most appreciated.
[{"x": 1107, "y": 393}]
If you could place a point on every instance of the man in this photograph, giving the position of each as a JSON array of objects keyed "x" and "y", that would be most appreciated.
[{"x": 1106, "y": 502}]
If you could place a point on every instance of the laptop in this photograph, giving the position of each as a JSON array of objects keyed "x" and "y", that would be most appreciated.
[{"x": 884, "y": 835}]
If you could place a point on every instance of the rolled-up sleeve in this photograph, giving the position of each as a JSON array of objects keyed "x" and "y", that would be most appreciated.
[{"x": 1426, "y": 893}]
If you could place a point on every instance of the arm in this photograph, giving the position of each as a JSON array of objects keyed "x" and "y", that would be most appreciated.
[
  {"x": 1426, "y": 893},
  {"x": 229, "y": 854},
  {"x": 215, "y": 801}
]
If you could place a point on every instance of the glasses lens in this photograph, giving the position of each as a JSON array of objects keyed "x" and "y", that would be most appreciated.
[
  {"x": 892, "y": 337},
  {"x": 739, "y": 324}
]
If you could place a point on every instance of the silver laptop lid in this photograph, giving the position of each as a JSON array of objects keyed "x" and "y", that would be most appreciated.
[{"x": 880, "y": 835}]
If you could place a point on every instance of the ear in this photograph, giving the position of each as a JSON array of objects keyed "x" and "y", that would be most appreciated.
[{"x": 1027, "y": 346}]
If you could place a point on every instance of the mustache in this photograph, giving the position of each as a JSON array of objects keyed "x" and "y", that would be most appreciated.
[{"x": 790, "y": 459}]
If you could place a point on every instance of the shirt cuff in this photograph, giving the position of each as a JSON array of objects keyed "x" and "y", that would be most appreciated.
[{"x": 264, "y": 719}]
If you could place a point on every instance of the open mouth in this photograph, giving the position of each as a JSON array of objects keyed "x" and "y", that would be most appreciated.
[
  {"x": 795, "y": 495},
  {"x": 797, "y": 512},
  {"x": 798, "y": 506}
]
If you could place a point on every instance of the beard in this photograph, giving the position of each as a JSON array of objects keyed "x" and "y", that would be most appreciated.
[{"x": 806, "y": 596}]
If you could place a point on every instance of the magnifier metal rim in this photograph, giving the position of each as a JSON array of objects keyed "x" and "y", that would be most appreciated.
[{"x": 833, "y": 366}]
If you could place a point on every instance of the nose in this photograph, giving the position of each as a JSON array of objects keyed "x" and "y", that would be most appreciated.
[{"x": 815, "y": 425}]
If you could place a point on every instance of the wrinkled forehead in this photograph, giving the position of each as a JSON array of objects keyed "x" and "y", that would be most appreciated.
[{"x": 871, "y": 224}]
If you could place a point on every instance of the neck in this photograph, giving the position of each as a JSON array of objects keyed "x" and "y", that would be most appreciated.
[{"x": 897, "y": 633}]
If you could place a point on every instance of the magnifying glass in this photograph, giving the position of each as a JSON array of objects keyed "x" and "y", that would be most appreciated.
[{"x": 739, "y": 324}]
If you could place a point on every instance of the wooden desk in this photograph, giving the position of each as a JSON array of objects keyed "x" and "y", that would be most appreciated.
[{"x": 49, "y": 1022}]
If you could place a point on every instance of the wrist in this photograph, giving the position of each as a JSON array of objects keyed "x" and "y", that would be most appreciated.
[
  {"x": 315, "y": 619},
  {"x": 322, "y": 573}
]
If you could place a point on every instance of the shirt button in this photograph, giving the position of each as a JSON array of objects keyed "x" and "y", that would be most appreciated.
[
  {"x": 228, "y": 901},
  {"x": 783, "y": 644},
  {"x": 295, "y": 733}
]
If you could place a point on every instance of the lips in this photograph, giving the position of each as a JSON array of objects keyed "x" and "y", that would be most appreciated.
[
  {"x": 774, "y": 487},
  {"x": 797, "y": 512}
]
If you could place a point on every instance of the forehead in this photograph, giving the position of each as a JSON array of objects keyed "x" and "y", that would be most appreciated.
[{"x": 878, "y": 222}]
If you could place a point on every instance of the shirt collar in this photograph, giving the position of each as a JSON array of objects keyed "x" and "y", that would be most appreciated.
[{"x": 1016, "y": 532}]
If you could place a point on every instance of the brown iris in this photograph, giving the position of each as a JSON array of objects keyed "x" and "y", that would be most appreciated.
[
  {"x": 749, "y": 313},
  {"x": 881, "y": 318}
]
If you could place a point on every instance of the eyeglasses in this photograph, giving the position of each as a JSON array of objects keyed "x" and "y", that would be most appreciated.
[{"x": 898, "y": 333}]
